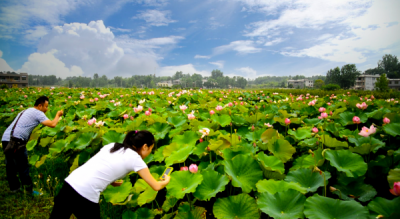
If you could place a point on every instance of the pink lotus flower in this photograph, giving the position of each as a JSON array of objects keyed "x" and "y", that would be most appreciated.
[
  {"x": 367, "y": 132},
  {"x": 218, "y": 108},
  {"x": 287, "y": 121},
  {"x": 252, "y": 128},
  {"x": 362, "y": 106},
  {"x": 25, "y": 96},
  {"x": 12, "y": 110},
  {"x": 69, "y": 97},
  {"x": 91, "y": 121},
  {"x": 329, "y": 104},
  {"x": 268, "y": 125},
  {"x": 96, "y": 99},
  {"x": 204, "y": 132},
  {"x": 193, "y": 168},
  {"x": 324, "y": 115},
  {"x": 98, "y": 93},
  {"x": 91, "y": 100},
  {"x": 147, "y": 113},
  {"x": 82, "y": 97},
  {"x": 311, "y": 103},
  {"x": 99, "y": 124},
  {"x": 315, "y": 130},
  {"x": 386, "y": 120},
  {"x": 138, "y": 109},
  {"x": 126, "y": 116},
  {"x": 230, "y": 104},
  {"x": 356, "y": 120},
  {"x": 212, "y": 112},
  {"x": 185, "y": 168},
  {"x": 240, "y": 98},
  {"x": 321, "y": 109},
  {"x": 150, "y": 110},
  {"x": 183, "y": 107},
  {"x": 191, "y": 115},
  {"x": 396, "y": 189}
]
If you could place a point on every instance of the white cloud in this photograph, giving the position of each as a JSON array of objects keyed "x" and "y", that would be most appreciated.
[
  {"x": 93, "y": 48},
  {"x": 33, "y": 35},
  {"x": 19, "y": 14},
  {"x": 3, "y": 64},
  {"x": 48, "y": 64},
  {"x": 248, "y": 72},
  {"x": 219, "y": 64},
  {"x": 201, "y": 57},
  {"x": 369, "y": 33},
  {"x": 156, "y": 17},
  {"x": 274, "y": 42},
  {"x": 241, "y": 46},
  {"x": 188, "y": 68}
]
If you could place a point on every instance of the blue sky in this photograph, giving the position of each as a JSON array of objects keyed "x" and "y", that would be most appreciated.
[{"x": 249, "y": 38}]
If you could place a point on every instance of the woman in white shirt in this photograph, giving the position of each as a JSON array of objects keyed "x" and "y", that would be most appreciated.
[{"x": 80, "y": 193}]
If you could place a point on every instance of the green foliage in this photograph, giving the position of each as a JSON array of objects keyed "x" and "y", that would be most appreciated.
[
  {"x": 331, "y": 87},
  {"x": 382, "y": 83}
]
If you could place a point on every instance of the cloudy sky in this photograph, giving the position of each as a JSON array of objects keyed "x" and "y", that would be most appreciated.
[{"x": 250, "y": 38}]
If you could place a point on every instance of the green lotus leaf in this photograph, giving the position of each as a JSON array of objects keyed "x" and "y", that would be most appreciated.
[
  {"x": 244, "y": 171},
  {"x": 184, "y": 212},
  {"x": 241, "y": 206},
  {"x": 129, "y": 215},
  {"x": 333, "y": 142},
  {"x": 365, "y": 145},
  {"x": 200, "y": 148},
  {"x": 117, "y": 194},
  {"x": 308, "y": 179},
  {"x": 145, "y": 213},
  {"x": 169, "y": 203},
  {"x": 170, "y": 148},
  {"x": 158, "y": 154},
  {"x": 177, "y": 120},
  {"x": 378, "y": 114},
  {"x": 384, "y": 207},
  {"x": 346, "y": 118},
  {"x": 254, "y": 136},
  {"x": 231, "y": 140},
  {"x": 274, "y": 186},
  {"x": 223, "y": 120},
  {"x": 394, "y": 176},
  {"x": 288, "y": 204},
  {"x": 392, "y": 129},
  {"x": 301, "y": 133},
  {"x": 41, "y": 161},
  {"x": 33, "y": 159},
  {"x": 46, "y": 141},
  {"x": 189, "y": 138},
  {"x": 148, "y": 194},
  {"x": 83, "y": 140},
  {"x": 160, "y": 130},
  {"x": 334, "y": 128},
  {"x": 313, "y": 122},
  {"x": 229, "y": 153},
  {"x": 30, "y": 145},
  {"x": 271, "y": 163},
  {"x": 179, "y": 156},
  {"x": 113, "y": 137},
  {"x": 57, "y": 147},
  {"x": 217, "y": 145},
  {"x": 213, "y": 183},
  {"x": 238, "y": 120},
  {"x": 311, "y": 142},
  {"x": 88, "y": 112},
  {"x": 281, "y": 149},
  {"x": 319, "y": 207},
  {"x": 356, "y": 190},
  {"x": 346, "y": 161},
  {"x": 394, "y": 117},
  {"x": 252, "y": 119},
  {"x": 269, "y": 134},
  {"x": 183, "y": 182}
]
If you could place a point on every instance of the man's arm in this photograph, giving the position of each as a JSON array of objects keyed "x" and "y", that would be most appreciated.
[{"x": 53, "y": 123}]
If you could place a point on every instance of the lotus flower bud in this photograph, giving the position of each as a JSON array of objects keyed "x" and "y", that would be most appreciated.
[
  {"x": 386, "y": 120},
  {"x": 396, "y": 189},
  {"x": 332, "y": 189},
  {"x": 287, "y": 121},
  {"x": 193, "y": 168},
  {"x": 356, "y": 120},
  {"x": 185, "y": 168}
]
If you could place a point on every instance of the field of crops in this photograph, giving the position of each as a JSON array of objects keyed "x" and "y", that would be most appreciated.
[{"x": 250, "y": 154}]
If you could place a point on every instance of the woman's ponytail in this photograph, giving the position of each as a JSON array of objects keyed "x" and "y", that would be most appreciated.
[{"x": 135, "y": 141}]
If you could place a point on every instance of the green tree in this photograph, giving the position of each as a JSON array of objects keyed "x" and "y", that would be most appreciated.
[
  {"x": 319, "y": 83},
  {"x": 348, "y": 75},
  {"x": 333, "y": 76},
  {"x": 215, "y": 74},
  {"x": 389, "y": 65},
  {"x": 382, "y": 83}
]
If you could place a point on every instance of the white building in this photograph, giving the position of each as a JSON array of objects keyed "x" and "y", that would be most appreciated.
[
  {"x": 367, "y": 82},
  {"x": 164, "y": 84},
  {"x": 302, "y": 83}
]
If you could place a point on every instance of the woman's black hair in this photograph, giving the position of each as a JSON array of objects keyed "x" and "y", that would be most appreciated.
[{"x": 135, "y": 141}]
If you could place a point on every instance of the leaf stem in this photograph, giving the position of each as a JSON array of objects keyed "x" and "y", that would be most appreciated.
[{"x": 190, "y": 203}]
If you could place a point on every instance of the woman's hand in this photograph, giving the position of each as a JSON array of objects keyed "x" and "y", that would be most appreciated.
[
  {"x": 117, "y": 183},
  {"x": 166, "y": 178}
]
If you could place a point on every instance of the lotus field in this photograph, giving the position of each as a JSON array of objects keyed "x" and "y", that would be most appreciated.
[{"x": 235, "y": 153}]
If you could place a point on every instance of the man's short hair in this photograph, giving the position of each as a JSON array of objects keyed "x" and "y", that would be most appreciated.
[{"x": 41, "y": 100}]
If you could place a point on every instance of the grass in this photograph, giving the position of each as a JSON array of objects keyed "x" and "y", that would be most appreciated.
[{"x": 21, "y": 205}]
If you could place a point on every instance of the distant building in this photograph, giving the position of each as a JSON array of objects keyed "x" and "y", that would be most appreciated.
[
  {"x": 164, "y": 84},
  {"x": 367, "y": 82},
  {"x": 14, "y": 79},
  {"x": 301, "y": 83}
]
